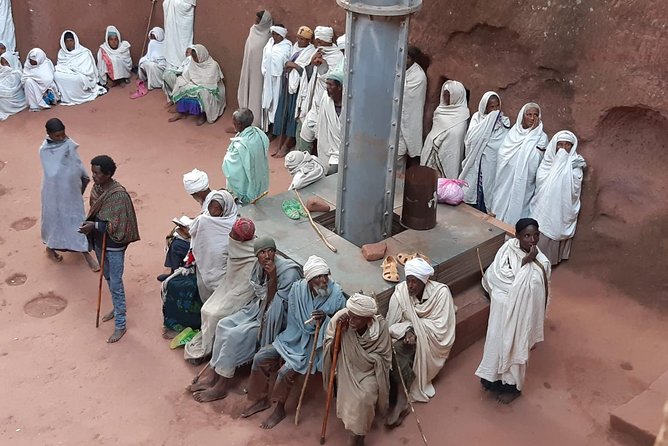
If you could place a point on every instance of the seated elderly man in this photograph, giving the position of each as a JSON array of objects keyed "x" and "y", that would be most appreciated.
[
  {"x": 422, "y": 324},
  {"x": 305, "y": 169},
  {"x": 363, "y": 365},
  {"x": 196, "y": 184},
  {"x": 245, "y": 165},
  {"x": 257, "y": 324},
  {"x": 314, "y": 299}
]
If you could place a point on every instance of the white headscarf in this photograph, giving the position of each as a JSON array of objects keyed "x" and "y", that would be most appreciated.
[
  {"x": 123, "y": 49},
  {"x": 556, "y": 203},
  {"x": 324, "y": 33},
  {"x": 42, "y": 73},
  {"x": 14, "y": 62},
  {"x": 205, "y": 72},
  {"x": 341, "y": 42},
  {"x": 315, "y": 266},
  {"x": 419, "y": 268},
  {"x": 361, "y": 305},
  {"x": 80, "y": 60},
  {"x": 279, "y": 30},
  {"x": 155, "y": 51},
  {"x": 195, "y": 181}
]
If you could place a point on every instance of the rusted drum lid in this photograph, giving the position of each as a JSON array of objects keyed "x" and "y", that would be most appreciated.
[{"x": 419, "y": 210}]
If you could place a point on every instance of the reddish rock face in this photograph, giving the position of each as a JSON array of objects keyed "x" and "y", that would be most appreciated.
[
  {"x": 596, "y": 68},
  {"x": 374, "y": 251}
]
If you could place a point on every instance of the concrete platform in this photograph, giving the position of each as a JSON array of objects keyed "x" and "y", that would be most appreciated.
[
  {"x": 453, "y": 247},
  {"x": 641, "y": 417}
]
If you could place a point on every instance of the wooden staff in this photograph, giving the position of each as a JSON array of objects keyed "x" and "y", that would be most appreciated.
[
  {"x": 408, "y": 398},
  {"x": 259, "y": 197},
  {"x": 480, "y": 262},
  {"x": 308, "y": 371},
  {"x": 148, "y": 26},
  {"x": 322, "y": 237},
  {"x": 330, "y": 386},
  {"x": 99, "y": 288}
]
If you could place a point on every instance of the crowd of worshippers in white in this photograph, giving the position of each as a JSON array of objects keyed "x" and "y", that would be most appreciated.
[{"x": 232, "y": 299}]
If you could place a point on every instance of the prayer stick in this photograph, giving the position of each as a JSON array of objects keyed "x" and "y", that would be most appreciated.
[
  {"x": 330, "y": 386},
  {"x": 408, "y": 398},
  {"x": 148, "y": 26},
  {"x": 260, "y": 197},
  {"x": 99, "y": 288},
  {"x": 480, "y": 261},
  {"x": 308, "y": 371},
  {"x": 322, "y": 237}
]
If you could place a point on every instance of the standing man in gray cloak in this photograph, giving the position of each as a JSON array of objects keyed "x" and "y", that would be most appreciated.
[
  {"x": 63, "y": 184},
  {"x": 239, "y": 335},
  {"x": 249, "y": 94}
]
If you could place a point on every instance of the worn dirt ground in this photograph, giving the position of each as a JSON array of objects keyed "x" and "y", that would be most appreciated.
[{"x": 63, "y": 384}]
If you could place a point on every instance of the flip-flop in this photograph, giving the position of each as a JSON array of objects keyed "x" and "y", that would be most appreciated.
[
  {"x": 182, "y": 338},
  {"x": 292, "y": 208},
  {"x": 390, "y": 271}
]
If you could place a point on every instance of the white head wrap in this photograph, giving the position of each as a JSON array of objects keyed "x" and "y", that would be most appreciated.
[
  {"x": 341, "y": 42},
  {"x": 279, "y": 30},
  {"x": 195, "y": 181},
  {"x": 361, "y": 305},
  {"x": 419, "y": 268},
  {"x": 324, "y": 33},
  {"x": 567, "y": 136},
  {"x": 315, "y": 266}
]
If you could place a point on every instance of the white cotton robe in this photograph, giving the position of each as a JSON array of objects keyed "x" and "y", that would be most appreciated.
[
  {"x": 179, "y": 25},
  {"x": 170, "y": 75},
  {"x": 305, "y": 169},
  {"x": 556, "y": 203},
  {"x": 483, "y": 138},
  {"x": 412, "y": 112},
  {"x": 274, "y": 58},
  {"x": 518, "y": 296},
  {"x": 7, "y": 30},
  {"x": 517, "y": 163},
  {"x": 152, "y": 65},
  {"x": 114, "y": 64},
  {"x": 328, "y": 132},
  {"x": 76, "y": 73},
  {"x": 433, "y": 321},
  {"x": 62, "y": 200},
  {"x": 249, "y": 94},
  {"x": 12, "y": 96},
  {"x": 38, "y": 79},
  {"x": 443, "y": 148}
]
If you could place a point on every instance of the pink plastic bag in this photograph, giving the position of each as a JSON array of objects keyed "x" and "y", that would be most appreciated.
[{"x": 450, "y": 191}]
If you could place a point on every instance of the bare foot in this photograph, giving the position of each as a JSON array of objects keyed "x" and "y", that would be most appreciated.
[
  {"x": 201, "y": 120},
  {"x": 117, "y": 335},
  {"x": 257, "y": 407},
  {"x": 177, "y": 117},
  {"x": 396, "y": 417},
  {"x": 217, "y": 392},
  {"x": 275, "y": 418},
  {"x": 53, "y": 255},
  {"x": 206, "y": 381},
  {"x": 169, "y": 104},
  {"x": 109, "y": 316},
  {"x": 282, "y": 152},
  {"x": 168, "y": 333},
  {"x": 171, "y": 109},
  {"x": 92, "y": 263},
  {"x": 508, "y": 397}
]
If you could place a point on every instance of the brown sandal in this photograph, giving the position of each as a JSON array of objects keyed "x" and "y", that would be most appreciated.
[{"x": 390, "y": 271}]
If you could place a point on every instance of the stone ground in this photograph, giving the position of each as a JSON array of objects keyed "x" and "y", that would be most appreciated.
[{"x": 62, "y": 384}]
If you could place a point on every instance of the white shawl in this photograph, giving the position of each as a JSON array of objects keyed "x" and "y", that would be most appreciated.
[
  {"x": 78, "y": 61},
  {"x": 12, "y": 97},
  {"x": 328, "y": 131},
  {"x": 517, "y": 163},
  {"x": 303, "y": 60},
  {"x": 179, "y": 19},
  {"x": 412, "y": 111},
  {"x": 7, "y": 30},
  {"x": 155, "y": 51},
  {"x": 209, "y": 242},
  {"x": 249, "y": 94},
  {"x": 42, "y": 73},
  {"x": 312, "y": 90},
  {"x": 204, "y": 73},
  {"x": 523, "y": 289},
  {"x": 483, "y": 139},
  {"x": 556, "y": 203},
  {"x": 121, "y": 60},
  {"x": 274, "y": 58},
  {"x": 433, "y": 322},
  {"x": 443, "y": 148},
  {"x": 305, "y": 169}
]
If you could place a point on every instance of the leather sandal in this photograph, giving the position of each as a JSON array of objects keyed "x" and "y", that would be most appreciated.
[{"x": 390, "y": 271}]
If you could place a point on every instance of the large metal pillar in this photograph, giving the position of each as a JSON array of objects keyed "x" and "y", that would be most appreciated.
[{"x": 376, "y": 41}]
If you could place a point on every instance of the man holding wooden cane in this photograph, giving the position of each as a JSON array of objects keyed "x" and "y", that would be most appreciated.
[
  {"x": 111, "y": 225},
  {"x": 363, "y": 366},
  {"x": 313, "y": 299}
]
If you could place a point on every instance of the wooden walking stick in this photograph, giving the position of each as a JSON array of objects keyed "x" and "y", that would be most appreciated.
[
  {"x": 308, "y": 371},
  {"x": 408, "y": 398},
  {"x": 148, "y": 26},
  {"x": 99, "y": 288},
  {"x": 322, "y": 237},
  {"x": 330, "y": 386}
]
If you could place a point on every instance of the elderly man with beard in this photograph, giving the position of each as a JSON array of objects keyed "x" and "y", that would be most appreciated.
[
  {"x": 363, "y": 365},
  {"x": 314, "y": 299},
  {"x": 422, "y": 324}
]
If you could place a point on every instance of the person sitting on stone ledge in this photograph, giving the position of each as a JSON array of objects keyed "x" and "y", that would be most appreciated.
[
  {"x": 257, "y": 324},
  {"x": 363, "y": 365},
  {"x": 422, "y": 323},
  {"x": 114, "y": 62},
  {"x": 314, "y": 299}
]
